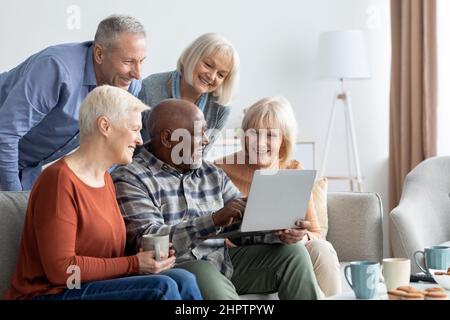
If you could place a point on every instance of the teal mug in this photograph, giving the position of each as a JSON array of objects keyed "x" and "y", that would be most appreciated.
[
  {"x": 365, "y": 276},
  {"x": 435, "y": 257}
]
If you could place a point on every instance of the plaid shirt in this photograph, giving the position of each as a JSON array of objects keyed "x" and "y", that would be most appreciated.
[{"x": 156, "y": 198}]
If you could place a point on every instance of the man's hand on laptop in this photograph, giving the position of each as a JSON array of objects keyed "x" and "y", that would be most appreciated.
[
  {"x": 231, "y": 213},
  {"x": 294, "y": 235}
]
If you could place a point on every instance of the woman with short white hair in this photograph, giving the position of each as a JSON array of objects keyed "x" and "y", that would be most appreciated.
[
  {"x": 74, "y": 235},
  {"x": 270, "y": 132},
  {"x": 207, "y": 75}
]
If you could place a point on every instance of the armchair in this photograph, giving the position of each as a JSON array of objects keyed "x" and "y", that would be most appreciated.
[{"x": 422, "y": 217}]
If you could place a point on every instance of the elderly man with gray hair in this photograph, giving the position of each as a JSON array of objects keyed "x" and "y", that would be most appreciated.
[{"x": 41, "y": 97}]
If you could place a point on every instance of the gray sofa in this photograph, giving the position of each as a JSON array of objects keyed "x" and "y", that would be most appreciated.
[
  {"x": 354, "y": 219},
  {"x": 422, "y": 217}
]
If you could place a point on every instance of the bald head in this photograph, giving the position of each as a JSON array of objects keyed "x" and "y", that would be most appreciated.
[
  {"x": 172, "y": 114},
  {"x": 177, "y": 133}
]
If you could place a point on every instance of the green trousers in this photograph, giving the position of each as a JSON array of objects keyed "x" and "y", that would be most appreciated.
[{"x": 286, "y": 269}]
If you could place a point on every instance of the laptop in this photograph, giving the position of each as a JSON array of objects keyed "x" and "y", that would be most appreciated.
[{"x": 277, "y": 199}]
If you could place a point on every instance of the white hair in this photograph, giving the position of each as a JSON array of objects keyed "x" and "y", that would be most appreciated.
[
  {"x": 274, "y": 113},
  {"x": 114, "y": 103},
  {"x": 205, "y": 45},
  {"x": 110, "y": 28}
]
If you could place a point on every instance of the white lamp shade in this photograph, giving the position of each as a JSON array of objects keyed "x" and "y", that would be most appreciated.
[{"x": 342, "y": 55}]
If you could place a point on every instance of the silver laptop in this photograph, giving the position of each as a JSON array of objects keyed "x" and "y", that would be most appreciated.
[{"x": 277, "y": 199}]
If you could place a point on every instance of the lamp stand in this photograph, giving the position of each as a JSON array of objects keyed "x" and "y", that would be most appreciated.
[{"x": 352, "y": 149}]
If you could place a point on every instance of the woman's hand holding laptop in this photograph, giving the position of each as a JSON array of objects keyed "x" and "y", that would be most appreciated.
[
  {"x": 294, "y": 235},
  {"x": 230, "y": 213}
]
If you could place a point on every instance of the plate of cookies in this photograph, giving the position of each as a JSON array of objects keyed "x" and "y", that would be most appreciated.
[
  {"x": 411, "y": 293},
  {"x": 442, "y": 277}
]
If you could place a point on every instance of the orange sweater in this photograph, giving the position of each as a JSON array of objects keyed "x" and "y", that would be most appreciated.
[
  {"x": 69, "y": 223},
  {"x": 242, "y": 175}
]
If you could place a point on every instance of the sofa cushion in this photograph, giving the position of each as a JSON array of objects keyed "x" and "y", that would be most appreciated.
[
  {"x": 319, "y": 194},
  {"x": 356, "y": 230},
  {"x": 12, "y": 212}
]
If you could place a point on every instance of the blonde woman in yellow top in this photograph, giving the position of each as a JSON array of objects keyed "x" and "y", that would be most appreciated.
[{"x": 270, "y": 131}]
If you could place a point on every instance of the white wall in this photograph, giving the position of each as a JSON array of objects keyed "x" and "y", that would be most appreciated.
[{"x": 276, "y": 41}]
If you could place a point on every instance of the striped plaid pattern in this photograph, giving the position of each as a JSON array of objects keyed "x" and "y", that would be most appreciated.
[{"x": 156, "y": 198}]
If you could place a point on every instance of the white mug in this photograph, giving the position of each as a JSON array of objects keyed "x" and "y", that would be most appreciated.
[
  {"x": 156, "y": 242},
  {"x": 396, "y": 272}
]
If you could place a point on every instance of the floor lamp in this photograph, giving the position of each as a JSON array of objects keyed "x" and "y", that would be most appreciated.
[{"x": 342, "y": 55}]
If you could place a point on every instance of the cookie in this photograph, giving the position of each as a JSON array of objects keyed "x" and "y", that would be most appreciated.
[
  {"x": 396, "y": 294},
  {"x": 436, "y": 295},
  {"x": 434, "y": 289},
  {"x": 413, "y": 296},
  {"x": 407, "y": 289}
]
